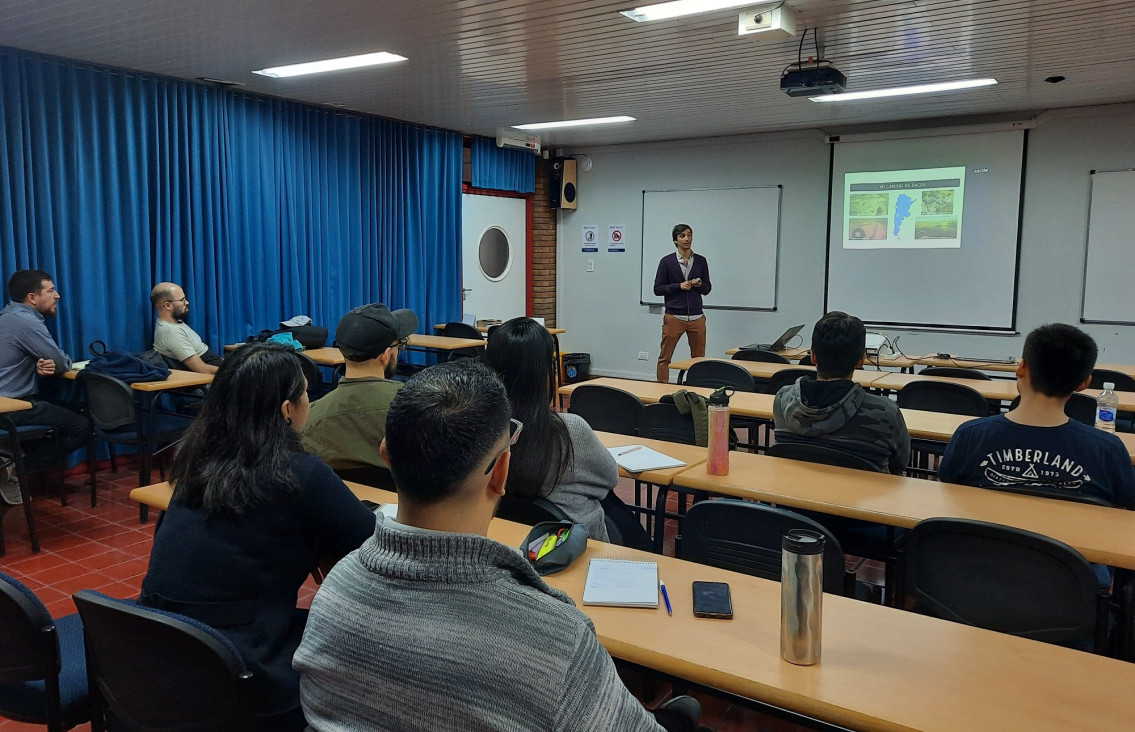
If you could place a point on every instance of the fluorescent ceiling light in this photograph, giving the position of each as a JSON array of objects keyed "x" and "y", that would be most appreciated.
[
  {"x": 574, "y": 123},
  {"x": 900, "y": 91},
  {"x": 678, "y": 8},
  {"x": 331, "y": 64}
]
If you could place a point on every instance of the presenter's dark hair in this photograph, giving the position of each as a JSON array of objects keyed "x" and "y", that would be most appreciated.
[
  {"x": 522, "y": 353},
  {"x": 678, "y": 229},
  {"x": 1059, "y": 357},
  {"x": 441, "y": 426},
  {"x": 26, "y": 282},
  {"x": 838, "y": 342},
  {"x": 236, "y": 453}
]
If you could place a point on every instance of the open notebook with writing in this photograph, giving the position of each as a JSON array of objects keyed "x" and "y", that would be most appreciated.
[{"x": 621, "y": 582}]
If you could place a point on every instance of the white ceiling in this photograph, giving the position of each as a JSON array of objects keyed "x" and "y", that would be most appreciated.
[{"x": 480, "y": 66}]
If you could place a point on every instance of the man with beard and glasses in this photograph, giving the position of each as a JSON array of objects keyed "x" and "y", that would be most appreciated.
[
  {"x": 346, "y": 426},
  {"x": 28, "y": 352},
  {"x": 173, "y": 339}
]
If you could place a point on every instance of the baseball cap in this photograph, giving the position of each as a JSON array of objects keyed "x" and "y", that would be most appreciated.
[{"x": 367, "y": 331}]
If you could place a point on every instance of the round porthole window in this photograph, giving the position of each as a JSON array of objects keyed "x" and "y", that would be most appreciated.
[{"x": 494, "y": 254}]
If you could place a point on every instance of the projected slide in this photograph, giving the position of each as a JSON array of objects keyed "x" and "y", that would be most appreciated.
[{"x": 903, "y": 209}]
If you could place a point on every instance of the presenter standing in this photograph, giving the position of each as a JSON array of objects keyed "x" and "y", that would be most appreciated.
[{"x": 682, "y": 278}]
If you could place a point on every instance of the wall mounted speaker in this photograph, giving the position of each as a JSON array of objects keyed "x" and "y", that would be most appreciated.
[{"x": 569, "y": 188}]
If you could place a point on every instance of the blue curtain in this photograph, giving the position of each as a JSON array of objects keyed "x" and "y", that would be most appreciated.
[
  {"x": 501, "y": 169},
  {"x": 260, "y": 208}
]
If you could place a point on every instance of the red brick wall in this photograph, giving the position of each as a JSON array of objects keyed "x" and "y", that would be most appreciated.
[{"x": 543, "y": 264}]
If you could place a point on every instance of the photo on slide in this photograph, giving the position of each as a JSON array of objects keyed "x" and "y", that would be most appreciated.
[
  {"x": 936, "y": 229},
  {"x": 867, "y": 229}
]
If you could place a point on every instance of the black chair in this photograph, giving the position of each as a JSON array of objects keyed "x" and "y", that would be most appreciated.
[
  {"x": 663, "y": 421},
  {"x": 953, "y": 372},
  {"x": 462, "y": 330},
  {"x": 153, "y": 670},
  {"x": 821, "y": 454},
  {"x": 529, "y": 511},
  {"x": 314, "y": 375},
  {"x": 943, "y": 396},
  {"x": 1079, "y": 407},
  {"x": 783, "y": 378},
  {"x": 43, "y": 672},
  {"x": 623, "y": 527},
  {"x": 1052, "y": 491},
  {"x": 715, "y": 374},
  {"x": 806, "y": 360},
  {"x": 746, "y": 537},
  {"x": 606, "y": 409},
  {"x": 1122, "y": 381},
  {"x": 12, "y": 438},
  {"x": 756, "y": 354},
  {"x": 114, "y": 415},
  {"x": 1005, "y": 579}
]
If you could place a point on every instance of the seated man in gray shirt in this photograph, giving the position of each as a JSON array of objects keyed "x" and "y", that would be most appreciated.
[
  {"x": 430, "y": 625},
  {"x": 28, "y": 352},
  {"x": 173, "y": 339}
]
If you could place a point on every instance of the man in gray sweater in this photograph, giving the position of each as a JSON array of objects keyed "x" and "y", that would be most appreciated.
[{"x": 430, "y": 625}]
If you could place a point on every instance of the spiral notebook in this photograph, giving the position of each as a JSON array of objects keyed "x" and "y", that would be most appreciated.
[{"x": 621, "y": 583}]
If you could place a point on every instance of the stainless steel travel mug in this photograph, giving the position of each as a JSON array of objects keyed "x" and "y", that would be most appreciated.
[{"x": 801, "y": 596}]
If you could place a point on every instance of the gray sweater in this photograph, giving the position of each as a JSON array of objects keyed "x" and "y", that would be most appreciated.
[
  {"x": 427, "y": 630},
  {"x": 589, "y": 478}
]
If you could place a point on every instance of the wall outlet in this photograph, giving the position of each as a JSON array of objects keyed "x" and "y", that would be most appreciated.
[
  {"x": 591, "y": 265},
  {"x": 643, "y": 355}
]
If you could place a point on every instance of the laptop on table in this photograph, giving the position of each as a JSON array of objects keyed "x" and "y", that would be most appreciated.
[{"x": 779, "y": 343}]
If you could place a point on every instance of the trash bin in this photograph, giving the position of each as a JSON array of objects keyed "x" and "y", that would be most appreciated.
[{"x": 577, "y": 367}]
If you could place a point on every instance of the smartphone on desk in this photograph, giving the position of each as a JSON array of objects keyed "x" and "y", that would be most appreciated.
[{"x": 712, "y": 600}]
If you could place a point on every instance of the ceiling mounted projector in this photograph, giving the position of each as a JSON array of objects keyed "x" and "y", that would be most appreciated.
[{"x": 811, "y": 81}]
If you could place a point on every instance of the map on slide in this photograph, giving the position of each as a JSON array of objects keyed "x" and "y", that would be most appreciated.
[{"x": 904, "y": 209}]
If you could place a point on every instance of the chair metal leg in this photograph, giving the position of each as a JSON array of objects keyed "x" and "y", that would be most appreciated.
[
  {"x": 91, "y": 472},
  {"x": 22, "y": 476}
]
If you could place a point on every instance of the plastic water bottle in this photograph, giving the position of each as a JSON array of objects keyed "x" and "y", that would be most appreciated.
[
  {"x": 717, "y": 460},
  {"x": 1106, "y": 405}
]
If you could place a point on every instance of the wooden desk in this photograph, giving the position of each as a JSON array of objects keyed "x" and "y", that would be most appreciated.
[
  {"x": 7, "y": 404},
  {"x": 882, "y": 669},
  {"x": 177, "y": 379},
  {"x": 789, "y": 353},
  {"x": 990, "y": 389},
  {"x": 765, "y": 370},
  {"x": 485, "y": 328},
  {"x": 443, "y": 343},
  {"x": 690, "y": 454},
  {"x": 1101, "y": 534}
]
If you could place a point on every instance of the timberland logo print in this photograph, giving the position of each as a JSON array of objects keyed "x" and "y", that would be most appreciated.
[{"x": 1023, "y": 467}]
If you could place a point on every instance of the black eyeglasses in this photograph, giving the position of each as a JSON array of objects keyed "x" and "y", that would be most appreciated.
[
  {"x": 180, "y": 299},
  {"x": 515, "y": 426}
]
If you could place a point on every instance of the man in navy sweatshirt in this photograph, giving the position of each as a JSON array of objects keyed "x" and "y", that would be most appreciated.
[{"x": 682, "y": 278}]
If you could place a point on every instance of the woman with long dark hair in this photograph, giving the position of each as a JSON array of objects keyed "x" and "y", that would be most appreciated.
[
  {"x": 250, "y": 516},
  {"x": 557, "y": 456}
]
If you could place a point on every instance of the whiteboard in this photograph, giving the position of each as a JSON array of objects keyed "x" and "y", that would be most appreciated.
[
  {"x": 736, "y": 229},
  {"x": 1108, "y": 294}
]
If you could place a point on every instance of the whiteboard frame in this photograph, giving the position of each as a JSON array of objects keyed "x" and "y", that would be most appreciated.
[
  {"x": 776, "y": 253},
  {"x": 1087, "y": 254}
]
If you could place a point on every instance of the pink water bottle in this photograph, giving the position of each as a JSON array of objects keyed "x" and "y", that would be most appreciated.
[{"x": 718, "y": 461}]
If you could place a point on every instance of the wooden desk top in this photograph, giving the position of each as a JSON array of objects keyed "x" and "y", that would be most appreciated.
[
  {"x": 691, "y": 454},
  {"x": 882, "y": 669},
  {"x": 177, "y": 379},
  {"x": 443, "y": 343},
  {"x": 485, "y": 328},
  {"x": 7, "y": 404},
  {"x": 764, "y": 369},
  {"x": 988, "y": 388},
  {"x": 1101, "y": 534}
]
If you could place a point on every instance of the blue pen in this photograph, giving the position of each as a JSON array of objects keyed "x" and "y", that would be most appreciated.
[{"x": 665, "y": 597}]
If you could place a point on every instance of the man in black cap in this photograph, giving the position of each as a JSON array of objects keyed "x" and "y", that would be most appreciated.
[{"x": 346, "y": 427}]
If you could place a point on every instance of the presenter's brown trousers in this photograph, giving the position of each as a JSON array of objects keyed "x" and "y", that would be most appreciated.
[{"x": 672, "y": 330}]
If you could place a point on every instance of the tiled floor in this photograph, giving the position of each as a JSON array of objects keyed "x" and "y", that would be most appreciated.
[{"x": 106, "y": 549}]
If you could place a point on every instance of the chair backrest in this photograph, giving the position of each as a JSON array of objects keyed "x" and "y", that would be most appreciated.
[
  {"x": 111, "y": 401},
  {"x": 806, "y": 360},
  {"x": 1081, "y": 408},
  {"x": 663, "y": 421},
  {"x": 28, "y": 646},
  {"x": 715, "y": 374},
  {"x": 156, "y": 670},
  {"x": 943, "y": 396},
  {"x": 606, "y": 409},
  {"x": 820, "y": 454},
  {"x": 1122, "y": 381},
  {"x": 954, "y": 372},
  {"x": 463, "y": 330},
  {"x": 746, "y": 537},
  {"x": 1003, "y": 579},
  {"x": 530, "y": 511},
  {"x": 312, "y": 373},
  {"x": 783, "y": 378},
  {"x": 757, "y": 354}
]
